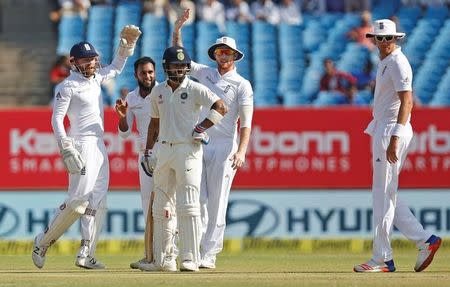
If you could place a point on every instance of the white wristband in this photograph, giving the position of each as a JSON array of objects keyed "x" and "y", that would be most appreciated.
[
  {"x": 214, "y": 116},
  {"x": 398, "y": 130}
]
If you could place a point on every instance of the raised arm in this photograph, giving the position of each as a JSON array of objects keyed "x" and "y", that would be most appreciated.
[
  {"x": 176, "y": 35},
  {"x": 128, "y": 38}
]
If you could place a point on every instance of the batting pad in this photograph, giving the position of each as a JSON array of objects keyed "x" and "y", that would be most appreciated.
[
  {"x": 162, "y": 229},
  {"x": 99, "y": 219},
  {"x": 190, "y": 235},
  {"x": 66, "y": 215}
]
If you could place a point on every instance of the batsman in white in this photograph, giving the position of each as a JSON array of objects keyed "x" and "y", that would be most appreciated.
[
  {"x": 391, "y": 133},
  {"x": 136, "y": 106},
  {"x": 175, "y": 110},
  {"x": 225, "y": 153},
  {"x": 82, "y": 148}
]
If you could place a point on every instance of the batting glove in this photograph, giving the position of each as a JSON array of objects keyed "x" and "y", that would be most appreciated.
[
  {"x": 199, "y": 135},
  {"x": 128, "y": 38},
  {"x": 73, "y": 162},
  {"x": 148, "y": 162}
]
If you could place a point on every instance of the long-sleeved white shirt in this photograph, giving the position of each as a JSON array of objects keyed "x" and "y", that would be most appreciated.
[{"x": 80, "y": 99}]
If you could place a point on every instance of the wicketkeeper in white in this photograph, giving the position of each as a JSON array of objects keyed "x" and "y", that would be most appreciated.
[
  {"x": 82, "y": 148},
  {"x": 391, "y": 133},
  {"x": 225, "y": 153},
  {"x": 136, "y": 106},
  {"x": 175, "y": 110}
]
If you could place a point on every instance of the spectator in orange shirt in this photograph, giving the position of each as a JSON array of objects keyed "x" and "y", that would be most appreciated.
[
  {"x": 358, "y": 34},
  {"x": 59, "y": 71}
]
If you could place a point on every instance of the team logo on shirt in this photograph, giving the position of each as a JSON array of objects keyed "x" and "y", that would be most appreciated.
[
  {"x": 160, "y": 100},
  {"x": 184, "y": 96},
  {"x": 58, "y": 96},
  {"x": 405, "y": 80},
  {"x": 227, "y": 88},
  {"x": 384, "y": 69}
]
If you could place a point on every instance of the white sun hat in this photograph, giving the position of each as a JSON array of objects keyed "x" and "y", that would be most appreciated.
[
  {"x": 384, "y": 27},
  {"x": 230, "y": 43}
]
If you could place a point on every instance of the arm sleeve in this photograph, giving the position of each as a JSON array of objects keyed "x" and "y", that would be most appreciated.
[
  {"x": 401, "y": 75},
  {"x": 114, "y": 69},
  {"x": 245, "y": 100},
  {"x": 63, "y": 96},
  {"x": 196, "y": 69},
  {"x": 154, "y": 110}
]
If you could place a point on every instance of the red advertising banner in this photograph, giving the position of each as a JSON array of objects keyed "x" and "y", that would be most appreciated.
[{"x": 289, "y": 148}]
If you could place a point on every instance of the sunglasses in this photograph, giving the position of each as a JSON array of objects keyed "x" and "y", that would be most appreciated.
[
  {"x": 384, "y": 38},
  {"x": 223, "y": 52}
]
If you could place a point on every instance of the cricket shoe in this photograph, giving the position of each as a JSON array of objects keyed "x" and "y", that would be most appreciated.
[
  {"x": 38, "y": 254},
  {"x": 426, "y": 252},
  {"x": 208, "y": 263},
  {"x": 372, "y": 266},
  {"x": 135, "y": 265},
  {"x": 167, "y": 266},
  {"x": 189, "y": 266},
  {"x": 89, "y": 262}
]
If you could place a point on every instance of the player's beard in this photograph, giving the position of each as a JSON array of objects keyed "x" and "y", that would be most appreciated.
[{"x": 146, "y": 88}]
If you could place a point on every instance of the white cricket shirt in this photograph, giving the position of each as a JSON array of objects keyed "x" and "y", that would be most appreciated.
[
  {"x": 394, "y": 75},
  {"x": 232, "y": 88},
  {"x": 139, "y": 109},
  {"x": 80, "y": 98},
  {"x": 178, "y": 111}
]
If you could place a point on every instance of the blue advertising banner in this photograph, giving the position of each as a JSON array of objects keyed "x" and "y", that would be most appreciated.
[{"x": 269, "y": 214}]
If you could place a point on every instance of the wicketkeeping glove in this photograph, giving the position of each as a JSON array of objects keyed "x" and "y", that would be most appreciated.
[
  {"x": 72, "y": 159},
  {"x": 148, "y": 162},
  {"x": 128, "y": 38},
  {"x": 199, "y": 135}
]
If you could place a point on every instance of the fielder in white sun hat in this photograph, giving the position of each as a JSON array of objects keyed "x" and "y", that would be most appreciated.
[
  {"x": 225, "y": 41},
  {"x": 385, "y": 27}
]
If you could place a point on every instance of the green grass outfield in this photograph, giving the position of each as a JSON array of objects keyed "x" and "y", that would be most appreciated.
[{"x": 272, "y": 267}]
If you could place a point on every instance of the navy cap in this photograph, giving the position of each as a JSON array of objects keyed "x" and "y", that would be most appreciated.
[
  {"x": 83, "y": 50},
  {"x": 176, "y": 55}
]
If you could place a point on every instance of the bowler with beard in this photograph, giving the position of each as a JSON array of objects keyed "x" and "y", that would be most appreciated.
[{"x": 136, "y": 106}]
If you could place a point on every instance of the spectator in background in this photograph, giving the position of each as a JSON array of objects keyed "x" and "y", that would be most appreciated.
[
  {"x": 356, "y": 5},
  {"x": 337, "y": 81},
  {"x": 213, "y": 11},
  {"x": 177, "y": 8},
  {"x": 59, "y": 71},
  {"x": 290, "y": 13},
  {"x": 159, "y": 8},
  {"x": 71, "y": 7},
  {"x": 239, "y": 11},
  {"x": 313, "y": 6},
  {"x": 358, "y": 34},
  {"x": 266, "y": 10},
  {"x": 365, "y": 80}
]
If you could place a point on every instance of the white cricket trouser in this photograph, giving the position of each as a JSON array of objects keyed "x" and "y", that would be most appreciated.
[
  {"x": 388, "y": 209},
  {"x": 182, "y": 162},
  {"x": 217, "y": 177},
  {"x": 91, "y": 184}
]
